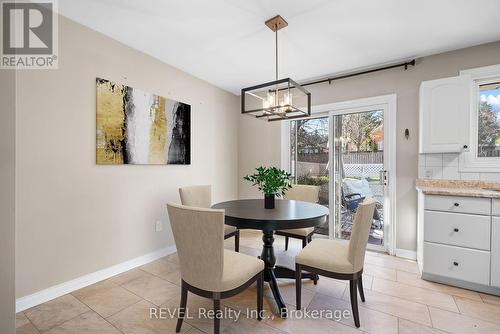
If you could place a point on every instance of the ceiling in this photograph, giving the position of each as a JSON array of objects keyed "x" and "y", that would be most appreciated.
[{"x": 226, "y": 43}]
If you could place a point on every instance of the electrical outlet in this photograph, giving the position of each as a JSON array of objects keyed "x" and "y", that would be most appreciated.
[{"x": 158, "y": 226}]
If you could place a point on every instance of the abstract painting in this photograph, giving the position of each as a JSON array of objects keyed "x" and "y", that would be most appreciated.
[{"x": 139, "y": 128}]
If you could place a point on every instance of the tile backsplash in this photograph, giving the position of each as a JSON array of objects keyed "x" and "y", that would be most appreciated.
[{"x": 446, "y": 166}]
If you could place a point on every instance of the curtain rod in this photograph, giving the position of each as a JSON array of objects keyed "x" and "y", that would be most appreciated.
[{"x": 349, "y": 75}]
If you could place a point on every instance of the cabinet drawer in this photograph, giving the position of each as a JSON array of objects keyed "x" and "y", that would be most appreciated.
[
  {"x": 480, "y": 206},
  {"x": 495, "y": 211},
  {"x": 457, "y": 229},
  {"x": 464, "y": 264},
  {"x": 495, "y": 252}
]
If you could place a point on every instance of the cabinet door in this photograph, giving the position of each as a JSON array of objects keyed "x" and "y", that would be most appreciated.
[
  {"x": 444, "y": 114},
  {"x": 495, "y": 252}
]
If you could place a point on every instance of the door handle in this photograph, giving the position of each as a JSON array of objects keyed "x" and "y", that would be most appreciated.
[{"x": 383, "y": 177}]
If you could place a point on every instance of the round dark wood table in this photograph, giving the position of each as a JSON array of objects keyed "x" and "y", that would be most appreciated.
[{"x": 287, "y": 214}]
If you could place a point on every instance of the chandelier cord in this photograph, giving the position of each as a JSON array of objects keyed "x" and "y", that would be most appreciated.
[{"x": 276, "y": 51}]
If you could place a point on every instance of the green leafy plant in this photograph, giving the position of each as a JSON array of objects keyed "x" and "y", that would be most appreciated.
[{"x": 271, "y": 180}]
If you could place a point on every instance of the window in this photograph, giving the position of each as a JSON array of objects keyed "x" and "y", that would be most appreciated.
[
  {"x": 488, "y": 120},
  {"x": 484, "y": 154}
]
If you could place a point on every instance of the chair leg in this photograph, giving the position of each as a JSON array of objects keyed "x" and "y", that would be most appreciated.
[
  {"x": 353, "y": 287},
  {"x": 216, "y": 316},
  {"x": 298, "y": 285},
  {"x": 286, "y": 243},
  {"x": 182, "y": 308},
  {"x": 360, "y": 287},
  {"x": 304, "y": 242},
  {"x": 237, "y": 241},
  {"x": 260, "y": 295}
]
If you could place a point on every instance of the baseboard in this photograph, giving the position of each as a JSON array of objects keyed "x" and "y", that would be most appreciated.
[
  {"x": 45, "y": 295},
  {"x": 407, "y": 254}
]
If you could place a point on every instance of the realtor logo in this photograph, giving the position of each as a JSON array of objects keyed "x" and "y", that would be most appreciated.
[{"x": 29, "y": 34}]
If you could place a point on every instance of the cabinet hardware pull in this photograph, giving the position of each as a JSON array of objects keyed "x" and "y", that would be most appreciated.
[
  {"x": 465, "y": 146},
  {"x": 455, "y": 263},
  {"x": 456, "y": 204},
  {"x": 455, "y": 229}
]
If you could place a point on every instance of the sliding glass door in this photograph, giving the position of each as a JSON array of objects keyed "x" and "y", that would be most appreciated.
[
  {"x": 309, "y": 157},
  {"x": 358, "y": 169},
  {"x": 345, "y": 151}
]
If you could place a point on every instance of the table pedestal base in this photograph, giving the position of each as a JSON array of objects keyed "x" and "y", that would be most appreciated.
[{"x": 272, "y": 272}]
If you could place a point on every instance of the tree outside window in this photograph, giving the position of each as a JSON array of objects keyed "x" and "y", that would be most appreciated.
[{"x": 489, "y": 120}]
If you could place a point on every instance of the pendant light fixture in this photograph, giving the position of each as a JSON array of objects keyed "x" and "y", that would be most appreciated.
[{"x": 280, "y": 99}]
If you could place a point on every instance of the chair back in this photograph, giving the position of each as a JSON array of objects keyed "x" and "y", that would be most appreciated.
[
  {"x": 199, "y": 238},
  {"x": 360, "y": 232},
  {"x": 302, "y": 192},
  {"x": 198, "y": 196}
]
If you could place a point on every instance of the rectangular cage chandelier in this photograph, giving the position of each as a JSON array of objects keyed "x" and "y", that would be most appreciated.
[{"x": 277, "y": 100}]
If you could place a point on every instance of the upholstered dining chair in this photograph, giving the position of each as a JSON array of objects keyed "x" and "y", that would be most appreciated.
[
  {"x": 306, "y": 193},
  {"x": 201, "y": 197},
  {"x": 207, "y": 269},
  {"x": 339, "y": 259}
]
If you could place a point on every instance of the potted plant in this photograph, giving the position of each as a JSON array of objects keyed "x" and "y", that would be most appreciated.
[{"x": 272, "y": 182}]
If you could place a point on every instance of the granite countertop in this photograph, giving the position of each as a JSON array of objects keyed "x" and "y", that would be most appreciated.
[{"x": 459, "y": 188}]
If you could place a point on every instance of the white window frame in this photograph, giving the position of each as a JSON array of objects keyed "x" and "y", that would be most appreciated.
[
  {"x": 389, "y": 104},
  {"x": 469, "y": 161}
]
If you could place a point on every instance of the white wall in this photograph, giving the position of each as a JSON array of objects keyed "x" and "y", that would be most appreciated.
[
  {"x": 75, "y": 217},
  {"x": 7, "y": 197},
  {"x": 259, "y": 141}
]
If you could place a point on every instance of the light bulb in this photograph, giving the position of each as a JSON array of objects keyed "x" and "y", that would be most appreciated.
[{"x": 286, "y": 98}]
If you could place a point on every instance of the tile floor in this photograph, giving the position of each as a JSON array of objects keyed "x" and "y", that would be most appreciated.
[{"x": 397, "y": 301}]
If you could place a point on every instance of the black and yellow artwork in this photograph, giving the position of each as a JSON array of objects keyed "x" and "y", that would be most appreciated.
[{"x": 139, "y": 128}]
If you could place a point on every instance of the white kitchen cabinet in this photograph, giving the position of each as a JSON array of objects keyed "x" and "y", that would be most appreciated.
[
  {"x": 495, "y": 252},
  {"x": 458, "y": 241},
  {"x": 444, "y": 111}
]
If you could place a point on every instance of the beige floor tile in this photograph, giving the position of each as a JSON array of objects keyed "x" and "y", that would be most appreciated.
[
  {"x": 392, "y": 262},
  {"x": 408, "y": 327},
  {"x": 398, "y": 307},
  {"x": 153, "y": 288},
  {"x": 415, "y": 294},
  {"x": 244, "y": 325},
  {"x": 250, "y": 251},
  {"x": 371, "y": 321},
  {"x": 298, "y": 323},
  {"x": 174, "y": 258},
  {"x": 247, "y": 300},
  {"x": 106, "y": 298},
  {"x": 380, "y": 272},
  {"x": 136, "y": 319},
  {"x": 195, "y": 331},
  {"x": 327, "y": 286},
  {"x": 415, "y": 280},
  {"x": 196, "y": 313},
  {"x": 128, "y": 276},
  {"x": 367, "y": 281},
  {"x": 479, "y": 310},
  {"x": 490, "y": 299},
  {"x": 21, "y": 319},
  {"x": 164, "y": 269},
  {"x": 55, "y": 312},
  {"x": 86, "y": 323},
  {"x": 287, "y": 290},
  {"x": 461, "y": 324},
  {"x": 27, "y": 328}
]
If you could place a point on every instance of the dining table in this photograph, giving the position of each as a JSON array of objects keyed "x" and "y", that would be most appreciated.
[{"x": 287, "y": 214}]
